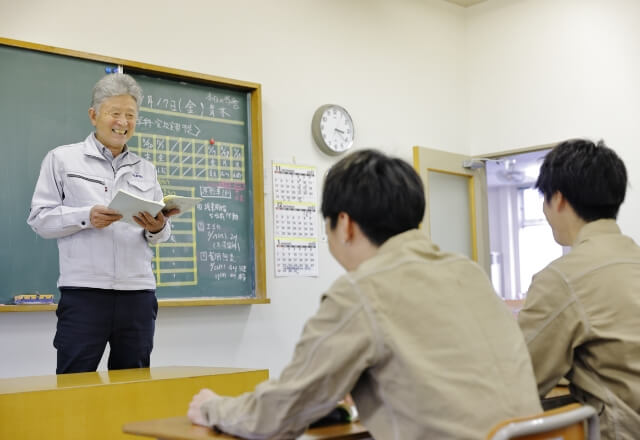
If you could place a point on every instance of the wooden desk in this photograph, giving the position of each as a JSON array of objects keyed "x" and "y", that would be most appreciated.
[
  {"x": 557, "y": 397},
  {"x": 180, "y": 428},
  {"x": 558, "y": 391},
  {"x": 96, "y": 405}
]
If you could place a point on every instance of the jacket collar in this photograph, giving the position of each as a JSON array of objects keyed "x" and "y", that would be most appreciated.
[
  {"x": 598, "y": 227},
  {"x": 413, "y": 241},
  {"x": 411, "y": 236}
]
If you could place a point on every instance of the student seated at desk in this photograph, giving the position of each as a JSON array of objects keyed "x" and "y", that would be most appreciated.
[
  {"x": 581, "y": 317},
  {"x": 417, "y": 335}
]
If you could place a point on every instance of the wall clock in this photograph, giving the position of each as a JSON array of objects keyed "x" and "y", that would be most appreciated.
[{"x": 332, "y": 129}]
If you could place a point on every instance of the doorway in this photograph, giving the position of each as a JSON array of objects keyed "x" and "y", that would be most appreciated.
[{"x": 520, "y": 239}]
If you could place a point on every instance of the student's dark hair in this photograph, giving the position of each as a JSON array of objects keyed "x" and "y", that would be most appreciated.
[
  {"x": 384, "y": 195},
  {"x": 590, "y": 176}
]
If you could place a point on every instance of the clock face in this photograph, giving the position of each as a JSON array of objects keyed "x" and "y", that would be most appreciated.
[{"x": 332, "y": 128}]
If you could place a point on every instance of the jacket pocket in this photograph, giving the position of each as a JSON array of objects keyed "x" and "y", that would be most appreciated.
[
  {"x": 143, "y": 188},
  {"x": 82, "y": 189},
  {"x": 78, "y": 253}
]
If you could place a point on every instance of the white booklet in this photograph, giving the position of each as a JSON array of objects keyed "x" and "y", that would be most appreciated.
[
  {"x": 183, "y": 203},
  {"x": 129, "y": 204}
]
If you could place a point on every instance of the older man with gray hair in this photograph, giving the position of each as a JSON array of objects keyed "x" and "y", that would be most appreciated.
[{"x": 106, "y": 281}]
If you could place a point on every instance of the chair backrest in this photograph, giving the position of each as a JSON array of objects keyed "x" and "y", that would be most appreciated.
[{"x": 564, "y": 423}]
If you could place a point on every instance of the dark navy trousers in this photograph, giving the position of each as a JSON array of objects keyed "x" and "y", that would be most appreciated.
[{"x": 88, "y": 319}]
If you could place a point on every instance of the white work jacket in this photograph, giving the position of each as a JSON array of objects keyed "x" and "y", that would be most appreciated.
[{"x": 74, "y": 178}]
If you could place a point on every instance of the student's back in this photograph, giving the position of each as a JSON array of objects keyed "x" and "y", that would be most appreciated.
[
  {"x": 449, "y": 358},
  {"x": 592, "y": 299}
]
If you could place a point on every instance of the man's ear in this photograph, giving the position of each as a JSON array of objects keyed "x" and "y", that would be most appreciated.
[{"x": 93, "y": 116}]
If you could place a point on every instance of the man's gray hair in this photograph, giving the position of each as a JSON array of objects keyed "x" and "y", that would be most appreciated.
[{"x": 115, "y": 84}]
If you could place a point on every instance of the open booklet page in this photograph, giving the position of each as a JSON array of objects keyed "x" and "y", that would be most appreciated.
[
  {"x": 129, "y": 205},
  {"x": 183, "y": 203}
]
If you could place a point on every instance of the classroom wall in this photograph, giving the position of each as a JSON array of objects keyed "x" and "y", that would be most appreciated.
[
  {"x": 397, "y": 66},
  {"x": 541, "y": 71}
]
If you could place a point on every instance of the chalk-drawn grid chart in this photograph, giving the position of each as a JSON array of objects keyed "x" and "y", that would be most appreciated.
[
  {"x": 186, "y": 160},
  {"x": 175, "y": 261},
  {"x": 192, "y": 159}
]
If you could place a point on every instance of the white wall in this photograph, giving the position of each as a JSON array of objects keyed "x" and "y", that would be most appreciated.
[
  {"x": 398, "y": 66},
  {"x": 541, "y": 71}
]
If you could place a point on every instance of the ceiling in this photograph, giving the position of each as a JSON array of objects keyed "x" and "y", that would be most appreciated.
[{"x": 465, "y": 3}]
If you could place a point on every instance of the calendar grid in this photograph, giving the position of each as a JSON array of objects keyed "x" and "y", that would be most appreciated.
[{"x": 295, "y": 220}]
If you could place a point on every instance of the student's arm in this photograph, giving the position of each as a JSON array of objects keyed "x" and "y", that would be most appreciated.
[
  {"x": 553, "y": 324},
  {"x": 336, "y": 346},
  {"x": 48, "y": 217}
]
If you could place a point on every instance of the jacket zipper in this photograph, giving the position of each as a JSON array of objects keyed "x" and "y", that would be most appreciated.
[{"x": 88, "y": 179}]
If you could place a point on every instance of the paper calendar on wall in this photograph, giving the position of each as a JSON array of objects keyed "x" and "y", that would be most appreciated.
[{"x": 295, "y": 220}]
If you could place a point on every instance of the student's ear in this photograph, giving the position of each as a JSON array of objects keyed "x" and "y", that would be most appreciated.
[
  {"x": 346, "y": 227},
  {"x": 561, "y": 202},
  {"x": 351, "y": 228}
]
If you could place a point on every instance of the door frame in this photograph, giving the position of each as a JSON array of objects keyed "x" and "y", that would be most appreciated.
[{"x": 429, "y": 159}]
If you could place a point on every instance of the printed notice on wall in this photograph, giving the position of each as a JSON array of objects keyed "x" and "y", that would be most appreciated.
[{"x": 295, "y": 220}]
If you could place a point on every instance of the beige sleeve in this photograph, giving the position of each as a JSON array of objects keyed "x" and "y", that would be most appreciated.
[
  {"x": 336, "y": 346},
  {"x": 552, "y": 326}
]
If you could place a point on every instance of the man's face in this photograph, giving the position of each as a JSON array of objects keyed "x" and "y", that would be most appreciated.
[{"x": 115, "y": 121}]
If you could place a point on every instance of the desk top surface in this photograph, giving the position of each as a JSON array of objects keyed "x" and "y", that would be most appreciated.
[
  {"x": 74, "y": 380},
  {"x": 557, "y": 391},
  {"x": 180, "y": 428}
]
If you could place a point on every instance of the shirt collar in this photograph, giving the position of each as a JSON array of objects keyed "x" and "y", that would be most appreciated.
[
  {"x": 107, "y": 152},
  {"x": 93, "y": 147}
]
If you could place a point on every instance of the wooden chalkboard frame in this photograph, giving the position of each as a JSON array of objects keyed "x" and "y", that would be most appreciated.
[{"x": 254, "y": 89}]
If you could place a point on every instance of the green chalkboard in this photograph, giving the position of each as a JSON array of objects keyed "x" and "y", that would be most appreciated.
[{"x": 201, "y": 132}]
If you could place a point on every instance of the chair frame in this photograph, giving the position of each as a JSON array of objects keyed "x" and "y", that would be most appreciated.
[{"x": 545, "y": 423}]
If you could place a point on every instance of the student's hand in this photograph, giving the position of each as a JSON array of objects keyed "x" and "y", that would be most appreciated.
[
  {"x": 149, "y": 222},
  {"x": 194, "y": 413},
  {"x": 101, "y": 216},
  {"x": 348, "y": 400}
]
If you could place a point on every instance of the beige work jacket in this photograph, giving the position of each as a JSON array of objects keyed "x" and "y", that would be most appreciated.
[
  {"x": 420, "y": 339},
  {"x": 581, "y": 320}
]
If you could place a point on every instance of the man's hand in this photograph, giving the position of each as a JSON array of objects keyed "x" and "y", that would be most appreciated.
[
  {"x": 174, "y": 211},
  {"x": 151, "y": 223},
  {"x": 194, "y": 413},
  {"x": 101, "y": 216}
]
